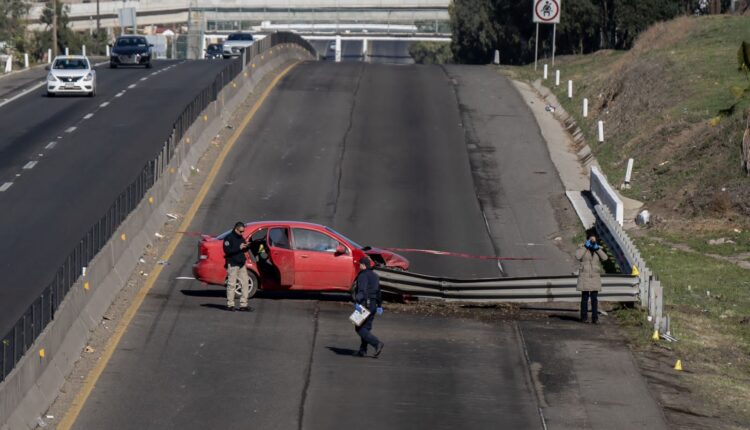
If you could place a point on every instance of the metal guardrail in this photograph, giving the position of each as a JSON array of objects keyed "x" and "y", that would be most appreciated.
[
  {"x": 615, "y": 288},
  {"x": 30, "y": 325}
]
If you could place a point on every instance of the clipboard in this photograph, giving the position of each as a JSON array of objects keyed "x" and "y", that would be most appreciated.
[{"x": 357, "y": 317}]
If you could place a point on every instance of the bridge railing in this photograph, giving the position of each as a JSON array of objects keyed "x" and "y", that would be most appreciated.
[{"x": 17, "y": 341}]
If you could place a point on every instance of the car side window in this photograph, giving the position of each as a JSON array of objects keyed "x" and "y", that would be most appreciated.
[
  {"x": 310, "y": 240},
  {"x": 279, "y": 238}
]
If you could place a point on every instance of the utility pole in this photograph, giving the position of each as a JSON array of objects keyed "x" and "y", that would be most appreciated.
[{"x": 54, "y": 28}]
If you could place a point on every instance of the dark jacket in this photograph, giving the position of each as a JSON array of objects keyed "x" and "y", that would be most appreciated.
[
  {"x": 368, "y": 289},
  {"x": 233, "y": 255}
]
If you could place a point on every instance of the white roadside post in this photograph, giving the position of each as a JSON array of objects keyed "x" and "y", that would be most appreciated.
[
  {"x": 364, "y": 49},
  {"x": 107, "y": 51},
  {"x": 67, "y": 51},
  {"x": 9, "y": 64},
  {"x": 338, "y": 48},
  {"x": 601, "y": 131},
  {"x": 49, "y": 56},
  {"x": 557, "y": 77},
  {"x": 497, "y": 57},
  {"x": 570, "y": 89},
  {"x": 585, "y": 108},
  {"x": 25, "y": 61},
  {"x": 628, "y": 174},
  {"x": 545, "y": 72},
  {"x": 83, "y": 50}
]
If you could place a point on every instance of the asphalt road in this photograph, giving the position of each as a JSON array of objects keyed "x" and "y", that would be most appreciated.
[
  {"x": 377, "y": 152},
  {"x": 53, "y": 202}
]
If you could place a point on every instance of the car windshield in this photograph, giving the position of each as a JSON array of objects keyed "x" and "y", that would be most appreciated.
[
  {"x": 355, "y": 244},
  {"x": 131, "y": 41},
  {"x": 70, "y": 64},
  {"x": 214, "y": 48},
  {"x": 240, "y": 36}
]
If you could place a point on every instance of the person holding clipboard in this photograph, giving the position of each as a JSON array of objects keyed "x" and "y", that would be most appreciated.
[{"x": 368, "y": 297}]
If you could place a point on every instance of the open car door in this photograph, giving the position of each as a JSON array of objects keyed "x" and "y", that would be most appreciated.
[{"x": 282, "y": 255}]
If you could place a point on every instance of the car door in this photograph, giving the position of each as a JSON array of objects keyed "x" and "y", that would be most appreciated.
[
  {"x": 317, "y": 263},
  {"x": 282, "y": 255}
]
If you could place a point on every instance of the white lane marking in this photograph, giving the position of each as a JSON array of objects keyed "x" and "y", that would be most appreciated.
[
  {"x": 5, "y": 186},
  {"x": 23, "y": 93},
  {"x": 30, "y": 165},
  {"x": 185, "y": 278},
  {"x": 144, "y": 78},
  {"x": 120, "y": 94},
  {"x": 71, "y": 129},
  {"x": 88, "y": 115},
  {"x": 101, "y": 64},
  {"x": 131, "y": 86},
  {"x": 50, "y": 145},
  {"x": 105, "y": 104}
]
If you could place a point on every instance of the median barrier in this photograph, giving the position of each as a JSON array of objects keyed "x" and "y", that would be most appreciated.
[{"x": 72, "y": 305}]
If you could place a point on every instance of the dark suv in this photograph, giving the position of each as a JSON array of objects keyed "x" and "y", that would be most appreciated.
[{"x": 131, "y": 50}]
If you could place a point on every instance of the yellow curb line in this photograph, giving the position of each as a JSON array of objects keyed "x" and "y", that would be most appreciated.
[{"x": 88, "y": 386}]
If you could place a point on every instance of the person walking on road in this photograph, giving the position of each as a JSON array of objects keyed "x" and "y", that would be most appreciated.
[
  {"x": 590, "y": 256},
  {"x": 235, "y": 247},
  {"x": 368, "y": 295}
]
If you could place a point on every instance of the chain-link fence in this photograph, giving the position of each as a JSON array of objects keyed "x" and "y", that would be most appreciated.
[{"x": 23, "y": 334}]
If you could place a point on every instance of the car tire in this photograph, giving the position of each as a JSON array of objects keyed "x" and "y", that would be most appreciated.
[
  {"x": 112, "y": 65},
  {"x": 353, "y": 291},
  {"x": 148, "y": 65},
  {"x": 252, "y": 284},
  {"x": 50, "y": 94}
]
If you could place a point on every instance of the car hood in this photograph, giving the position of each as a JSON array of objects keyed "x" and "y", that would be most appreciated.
[
  {"x": 130, "y": 50},
  {"x": 70, "y": 73},
  {"x": 392, "y": 260},
  {"x": 238, "y": 43}
]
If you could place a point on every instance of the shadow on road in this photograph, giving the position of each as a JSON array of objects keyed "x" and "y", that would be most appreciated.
[
  {"x": 341, "y": 351},
  {"x": 275, "y": 295}
]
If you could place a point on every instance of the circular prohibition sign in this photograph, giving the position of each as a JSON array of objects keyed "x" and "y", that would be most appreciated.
[{"x": 547, "y": 10}]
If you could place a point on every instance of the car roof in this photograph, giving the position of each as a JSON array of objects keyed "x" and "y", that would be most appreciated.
[
  {"x": 292, "y": 224},
  {"x": 71, "y": 57}
]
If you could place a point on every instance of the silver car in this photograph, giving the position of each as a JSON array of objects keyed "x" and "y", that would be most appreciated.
[{"x": 71, "y": 74}]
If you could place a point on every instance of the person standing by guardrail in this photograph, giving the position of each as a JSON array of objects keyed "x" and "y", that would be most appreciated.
[
  {"x": 590, "y": 256},
  {"x": 368, "y": 295},
  {"x": 235, "y": 247}
]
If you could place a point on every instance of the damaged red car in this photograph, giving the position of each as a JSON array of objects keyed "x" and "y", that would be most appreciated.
[{"x": 293, "y": 256}]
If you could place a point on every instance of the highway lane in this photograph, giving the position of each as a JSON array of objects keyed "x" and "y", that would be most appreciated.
[
  {"x": 379, "y": 51},
  {"x": 377, "y": 152},
  {"x": 51, "y": 205}
]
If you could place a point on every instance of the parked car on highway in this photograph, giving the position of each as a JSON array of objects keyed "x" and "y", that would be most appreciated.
[
  {"x": 71, "y": 74},
  {"x": 236, "y": 44},
  {"x": 214, "y": 50},
  {"x": 130, "y": 50},
  {"x": 290, "y": 255}
]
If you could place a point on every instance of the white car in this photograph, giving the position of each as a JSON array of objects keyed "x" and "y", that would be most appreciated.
[
  {"x": 71, "y": 74},
  {"x": 236, "y": 44}
]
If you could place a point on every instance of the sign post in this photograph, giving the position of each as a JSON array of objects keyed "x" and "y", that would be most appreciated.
[{"x": 546, "y": 12}]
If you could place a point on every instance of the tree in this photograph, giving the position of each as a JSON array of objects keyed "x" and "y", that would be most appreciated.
[
  {"x": 12, "y": 28},
  {"x": 474, "y": 31}
]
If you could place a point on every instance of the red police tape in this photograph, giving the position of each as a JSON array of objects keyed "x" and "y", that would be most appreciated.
[
  {"x": 462, "y": 255},
  {"x": 424, "y": 251}
]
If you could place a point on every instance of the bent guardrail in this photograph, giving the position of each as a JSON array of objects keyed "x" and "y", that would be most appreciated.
[
  {"x": 615, "y": 288},
  {"x": 16, "y": 342}
]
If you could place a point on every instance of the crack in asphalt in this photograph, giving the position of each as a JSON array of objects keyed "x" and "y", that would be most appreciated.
[
  {"x": 340, "y": 164},
  {"x": 308, "y": 371}
]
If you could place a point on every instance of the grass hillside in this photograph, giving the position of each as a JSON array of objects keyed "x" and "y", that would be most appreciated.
[{"x": 660, "y": 104}]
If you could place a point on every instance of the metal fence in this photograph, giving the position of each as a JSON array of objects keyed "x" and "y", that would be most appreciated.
[
  {"x": 42, "y": 311},
  {"x": 615, "y": 288}
]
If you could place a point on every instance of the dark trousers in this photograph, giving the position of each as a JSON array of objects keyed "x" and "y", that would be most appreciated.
[
  {"x": 585, "y": 305},
  {"x": 365, "y": 333}
]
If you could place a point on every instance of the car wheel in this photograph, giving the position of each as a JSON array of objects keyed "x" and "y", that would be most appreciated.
[
  {"x": 252, "y": 286},
  {"x": 148, "y": 65},
  {"x": 112, "y": 65},
  {"x": 353, "y": 291},
  {"x": 50, "y": 94}
]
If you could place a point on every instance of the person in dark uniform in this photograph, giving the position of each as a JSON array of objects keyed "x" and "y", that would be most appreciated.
[
  {"x": 235, "y": 247},
  {"x": 368, "y": 296}
]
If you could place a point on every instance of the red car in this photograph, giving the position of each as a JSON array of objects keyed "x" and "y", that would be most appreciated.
[{"x": 290, "y": 255}]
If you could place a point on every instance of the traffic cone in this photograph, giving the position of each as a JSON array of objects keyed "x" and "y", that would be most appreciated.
[
  {"x": 678, "y": 366},
  {"x": 656, "y": 335}
]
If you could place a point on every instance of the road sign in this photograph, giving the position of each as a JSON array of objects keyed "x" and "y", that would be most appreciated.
[{"x": 547, "y": 11}]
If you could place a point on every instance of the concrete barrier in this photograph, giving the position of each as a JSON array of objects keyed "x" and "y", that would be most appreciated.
[{"x": 33, "y": 385}]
